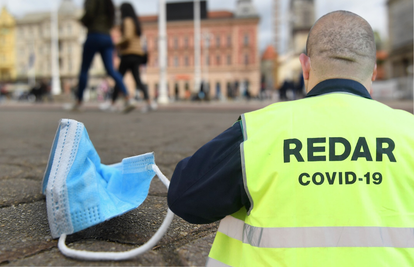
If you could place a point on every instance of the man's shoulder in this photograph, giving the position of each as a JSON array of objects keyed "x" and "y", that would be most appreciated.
[{"x": 280, "y": 106}]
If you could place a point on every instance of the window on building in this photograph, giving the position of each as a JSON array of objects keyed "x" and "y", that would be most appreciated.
[
  {"x": 218, "y": 60},
  {"x": 207, "y": 60},
  {"x": 229, "y": 40},
  {"x": 176, "y": 43},
  {"x": 176, "y": 61},
  {"x": 246, "y": 39},
  {"x": 69, "y": 28},
  {"x": 218, "y": 40},
  {"x": 70, "y": 65},
  {"x": 186, "y": 42},
  {"x": 246, "y": 59},
  {"x": 186, "y": 61},
  {"x": 228, "y": 59},
  {"x": 207, "y": 42},
  {"x": 46, "y": 29}
]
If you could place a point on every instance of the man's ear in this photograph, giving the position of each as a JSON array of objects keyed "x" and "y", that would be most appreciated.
[
  {"x": 305, "y": 62},
  {"x": 374, "y": 74}
]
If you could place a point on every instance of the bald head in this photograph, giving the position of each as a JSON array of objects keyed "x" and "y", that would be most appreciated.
[{"x": 341, "y": 45}]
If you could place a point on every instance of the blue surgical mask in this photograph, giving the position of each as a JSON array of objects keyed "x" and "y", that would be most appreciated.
[{"x": 82, "y": 192}]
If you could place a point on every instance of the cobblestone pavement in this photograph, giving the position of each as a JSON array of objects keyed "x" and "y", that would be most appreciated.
[
  {"x": 172, "y": 132},
  {"x": 27, "y": 132}
]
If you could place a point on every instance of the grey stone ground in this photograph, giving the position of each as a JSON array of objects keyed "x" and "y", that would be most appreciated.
[{"x": 172, "y": 132}]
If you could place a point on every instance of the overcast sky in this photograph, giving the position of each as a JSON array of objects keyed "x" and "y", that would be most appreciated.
[{"x": 374, "y": 11}]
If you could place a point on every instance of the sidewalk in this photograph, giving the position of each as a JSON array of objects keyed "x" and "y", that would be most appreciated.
[
  {"x": 27, "y": 133},
  {"x": 239, "y": 105}
]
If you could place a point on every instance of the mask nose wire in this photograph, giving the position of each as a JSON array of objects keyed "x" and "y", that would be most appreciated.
[{"x": 116, "y": 256}]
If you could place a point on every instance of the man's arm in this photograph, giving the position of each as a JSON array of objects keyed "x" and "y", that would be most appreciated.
[{"x": 208, "y": 186}]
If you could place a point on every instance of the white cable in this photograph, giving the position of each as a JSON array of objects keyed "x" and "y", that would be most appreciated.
[{"x": 116, "y": 256}]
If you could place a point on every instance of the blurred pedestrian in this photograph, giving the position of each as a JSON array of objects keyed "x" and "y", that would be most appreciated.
[
  {"x": 246, "y": 92},
  {"x": 131, "y": 51},
  {"x": 4, "y": 93},
  {"x": 99, "y": 18},
  {"x": 299, "y": 87},
  {"x": 286, "y": 86},
  {"x": 327, "y": 180},
  {"x": 39, "y": 90}
]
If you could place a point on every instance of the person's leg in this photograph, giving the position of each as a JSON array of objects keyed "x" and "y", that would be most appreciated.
[
  {"x": 89, "y": 50},
  {"x": 135, "y": 73},
  {"x": 122, "y": 70},
  {"x": 106, "y": 51}
]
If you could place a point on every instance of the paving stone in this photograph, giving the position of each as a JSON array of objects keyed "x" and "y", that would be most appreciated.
[
  {"x": 20, "y": 168},
  {"x": 10, "y": 170},
  {"x": 196, "y": 252},
  {"x": 16, "y": 191},
  {"x": 23, "y": 230},
  {"x": 54, "y": 257}
]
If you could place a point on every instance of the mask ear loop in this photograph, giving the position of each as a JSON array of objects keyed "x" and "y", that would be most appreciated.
[{"x": 116, "y": 256}]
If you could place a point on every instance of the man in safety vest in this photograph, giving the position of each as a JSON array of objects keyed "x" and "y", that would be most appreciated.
[{"x": 327, "y": 180}]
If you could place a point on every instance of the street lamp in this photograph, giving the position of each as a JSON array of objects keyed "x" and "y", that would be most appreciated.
[
  {"x": 56, "y": 90},
  {"x": 207, "y": 37},
  {"x": 162, "y": 54},
  {"x": 197, "y": 79}
]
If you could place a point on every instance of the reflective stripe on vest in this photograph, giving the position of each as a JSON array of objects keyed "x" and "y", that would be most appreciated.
[
  {"x": 307, "y": 237},
  {"x": 215, "y": 263}
]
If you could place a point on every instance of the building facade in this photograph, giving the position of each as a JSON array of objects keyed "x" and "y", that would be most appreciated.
[
  {"x": 230, "y": 62},
  {"x": 302, "y": 13},
  {"x": 400, "y": 29},
  {"x": 267, "y": 68},
  {"x": 33, "y": 45},
  {"x": 7, "y": 46},
  {"x": 400, "y": 57}
]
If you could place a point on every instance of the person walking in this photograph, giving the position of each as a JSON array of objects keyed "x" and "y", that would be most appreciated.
[
  {"x": 99, "y": 18},
  {"x": 326, "y": 180},
  {"x": 131, "y": 51}
]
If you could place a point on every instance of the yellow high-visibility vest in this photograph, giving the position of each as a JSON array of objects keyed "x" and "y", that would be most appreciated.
[{"x": 331, "y": 183}]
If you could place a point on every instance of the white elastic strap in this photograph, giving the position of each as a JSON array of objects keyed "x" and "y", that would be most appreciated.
[{"x": 116, "y": 256}]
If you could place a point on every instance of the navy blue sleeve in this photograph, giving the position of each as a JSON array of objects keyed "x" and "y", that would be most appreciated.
[{"x": 208, "y": 186}]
